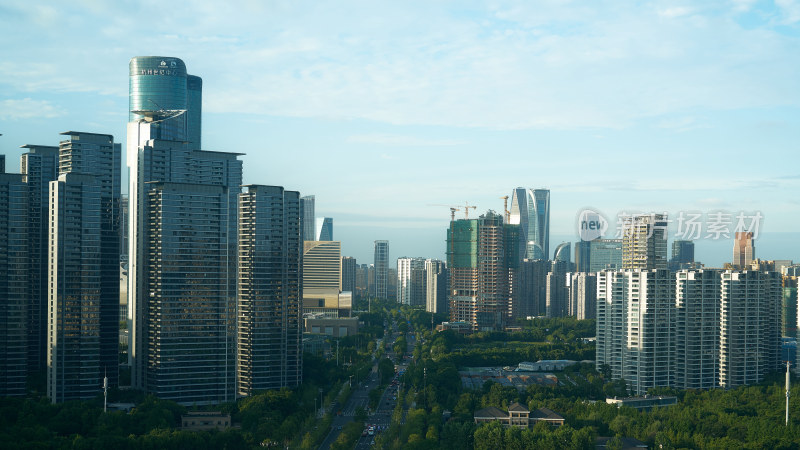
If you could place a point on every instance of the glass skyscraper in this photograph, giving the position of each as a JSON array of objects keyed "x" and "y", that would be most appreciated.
[
  {"x": 381, "y": 269},
  {"x": 269, "y": 340},
  {"x": 308, "y": 218},
  {"x": 530, "y": 209},
  {"x": 161, "y": 92},
  {"x": 183, "y": 241},
  {"x": 39, "y": 166},
  {"x": 14, "y": 292}
]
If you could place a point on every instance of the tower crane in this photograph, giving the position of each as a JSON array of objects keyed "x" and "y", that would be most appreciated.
[
  {"x": 505, "y": 208},
  {"x": 466, "y": 209},
  {"x": 454, "y": 208}
]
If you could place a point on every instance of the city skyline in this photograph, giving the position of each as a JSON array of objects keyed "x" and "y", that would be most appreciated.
[{"x": 411, "y": 102}]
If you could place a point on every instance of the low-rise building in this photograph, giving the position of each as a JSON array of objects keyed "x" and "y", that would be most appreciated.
[
  {"x": 518, "y": 416},
  {"x": 645, "y": 403},
  {"x": 205, "y": 420}
]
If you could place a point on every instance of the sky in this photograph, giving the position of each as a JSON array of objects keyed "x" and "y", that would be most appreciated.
[{"x": 391, "y": 112}]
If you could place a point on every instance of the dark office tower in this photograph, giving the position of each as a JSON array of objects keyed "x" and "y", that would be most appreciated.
[
  {"x": 182, "y": 263},
  {"x": 269, "y": 337},
  {"x": 682, "y": 255},
  {"x": 39, "y": 166},
  {"x": 697, "y": 312},
  {"x": 14, "y": 284},
  {"x": 533, "y": 289},
  {"x": 75, "y": 270},
  {"x": 2, "y": 163},
  {"x": 98, "y": 155},
  {"x": 309, "y": 219},
  {"x": 189, "y": 345},
  {"x": 183, "y": 242},
  {"x": 124, "y": 219},
  {"x": 744, "y": 251},
  {"x": 605, "y": 254},
  {"x": 194, "y": 106},
  {"x": 324, "y": 229},
  {"x": 161, "y": 92},
  {"x": 382, "y": 269},
  {"x": 557, "y": 293},
  {"x": 583, "y": 256},
  {"x": 644, "y": 242},
  {"x": 530, "y": 209},
  {"x": 349, "y": 274},
  {"x": 683, "y": 251}
]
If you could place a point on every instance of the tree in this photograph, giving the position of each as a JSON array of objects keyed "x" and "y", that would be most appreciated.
[{"x": 385, "y": 370}]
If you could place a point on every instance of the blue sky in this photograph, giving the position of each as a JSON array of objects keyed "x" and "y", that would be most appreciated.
[{"x": 383, "y": 108}]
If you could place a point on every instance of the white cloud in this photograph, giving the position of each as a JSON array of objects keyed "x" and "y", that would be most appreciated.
[
  {"x": 28, "y": 108},
  {"x": 552, "y": 65},
  {"x": 790, "y": 11},
  {"x": 674, "y": 12}
]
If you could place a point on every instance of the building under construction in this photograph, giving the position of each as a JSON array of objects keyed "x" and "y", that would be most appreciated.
[{"x": 482, "y": 270}]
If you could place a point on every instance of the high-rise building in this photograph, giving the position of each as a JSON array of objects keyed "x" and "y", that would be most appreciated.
[
  {"x": 183, "y": 242},
  {"x": 531, "y": 301},
  {"x": 269, "y": 348},
  {"x": 363, "y": 284},
  {"x": 582, "y": 287},
  {"x": 349, "y": 274},
  {"x": 324, "y": 229},
  {"x": 605, "y": 254},
  {"x": 479, "y": 272},
  {"x": 322, "y": 265},
  {"x": 692, "y": 329},
  {"x": 789, "y": 317},
  {"x": 39, "y": 166},
  {"x": 381, "y": 269},
  {"x": 682, "y": 251},
  {"x": 160, "y": 91},
  {"x": 2, "y": 163},
  {"x": 411, "y": 289},
  {"x": 749, "y": 326},
  {"x": 98, "y": 155},
  {"x": 309, "y": 218},
  {"x": 14, "y": 284},
  {"x": 436, "y": 275},
  {"x": 190, "y": 335},
  {"x": 744, "y": 250},
  {"x": 74, "y": 368},
  {"x": 556, "y": 289},
  {"x": 582, "y": 256},
  {"x": 635, "y": 327},
  {"x": 644, "y": 242},
  {"x": 322, "y": 278},
  {"x": 562, "y": 252},
  {"x": 697, "y": 320},
  {"x": 530, "y": 209}
]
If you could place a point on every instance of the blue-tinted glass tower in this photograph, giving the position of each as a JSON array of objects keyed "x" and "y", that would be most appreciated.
[
  {"x": 530, "y": 209},
  {"x": 162, "y": 92}
]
